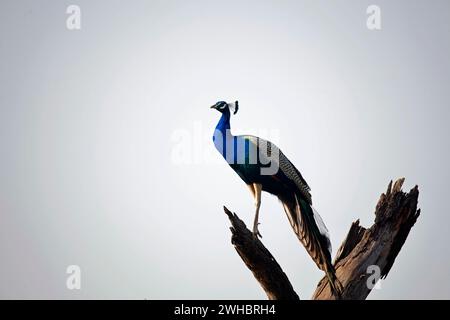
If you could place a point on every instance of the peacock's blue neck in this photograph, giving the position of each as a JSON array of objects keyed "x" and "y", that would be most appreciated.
[
  {"x": 223, "y": 137},
  {"x": 224, "y": 123}
]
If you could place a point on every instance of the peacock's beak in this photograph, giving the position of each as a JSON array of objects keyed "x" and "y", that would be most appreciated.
[{"x": 213, "y": 107}]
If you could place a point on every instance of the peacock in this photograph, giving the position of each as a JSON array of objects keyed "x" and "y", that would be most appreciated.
[{"x": 263, "y": 167}]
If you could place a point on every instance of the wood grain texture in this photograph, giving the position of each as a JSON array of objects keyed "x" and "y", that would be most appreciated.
[
  {"x": 260, "y": 261},
  {"x": 379, "y": 245}
]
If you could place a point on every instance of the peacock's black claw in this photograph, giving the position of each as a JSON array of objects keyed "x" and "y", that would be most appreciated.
[{"x": 256, "y": 232}]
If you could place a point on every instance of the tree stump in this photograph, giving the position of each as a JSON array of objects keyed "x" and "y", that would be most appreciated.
[{"x": 375, "y": 247}]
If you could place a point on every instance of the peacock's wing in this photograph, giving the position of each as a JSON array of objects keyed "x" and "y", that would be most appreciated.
[{"x": 270, "y": 153}]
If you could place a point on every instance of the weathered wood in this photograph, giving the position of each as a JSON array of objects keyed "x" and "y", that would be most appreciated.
[
  {"x": 260, "y": 261},
  {"x": 379, "y": 245}
]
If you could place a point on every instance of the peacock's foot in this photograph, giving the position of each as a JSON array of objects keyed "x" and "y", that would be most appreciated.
[{"x": 256, "y": 233}]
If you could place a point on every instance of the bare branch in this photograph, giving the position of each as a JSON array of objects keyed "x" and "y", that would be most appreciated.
[{"x": 260, "y": 261}]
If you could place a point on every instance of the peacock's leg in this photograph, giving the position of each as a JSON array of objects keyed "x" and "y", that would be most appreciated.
[
  {"x": 257, "y": 194},
  {"x": 252, "y": 189}
]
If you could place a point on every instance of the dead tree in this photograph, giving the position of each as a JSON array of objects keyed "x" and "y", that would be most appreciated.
[{"x": 379, "y": 245}]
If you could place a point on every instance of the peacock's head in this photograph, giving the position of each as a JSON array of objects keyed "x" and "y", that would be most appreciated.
[{"x": 222, "y": 107}]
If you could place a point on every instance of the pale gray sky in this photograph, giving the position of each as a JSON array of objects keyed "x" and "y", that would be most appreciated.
[{"x": 89, "y": 121}]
